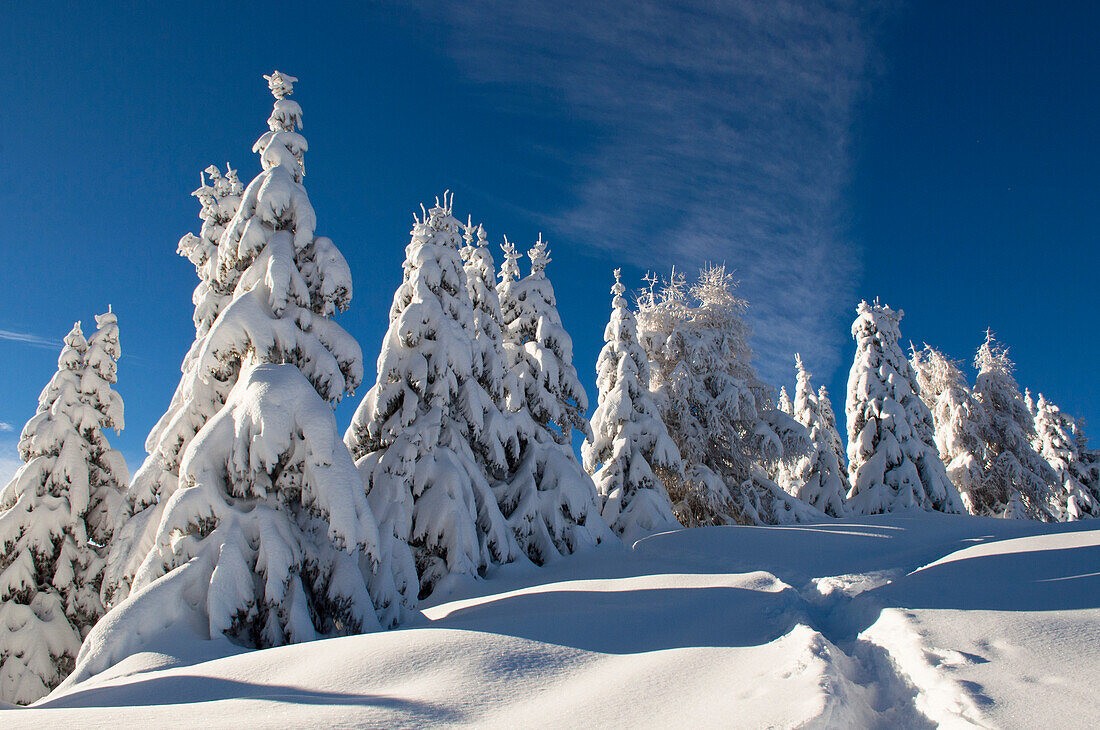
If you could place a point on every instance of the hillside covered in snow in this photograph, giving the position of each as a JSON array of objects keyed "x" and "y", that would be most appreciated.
[{"x": 905, "y": 620}]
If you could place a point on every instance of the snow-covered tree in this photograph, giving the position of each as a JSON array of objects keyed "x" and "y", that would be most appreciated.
[
  {"x": 630, "y": 445},
  {"x": 494, "y": 433},
  {"x": 197, "y": 397},
  {"x": 784, "y": 403},
  {"x": 269, "y": 538},
  {"x": 272, "y": 515},
  {"x": 1016, "y": 481},
  {"x": 959, "y": 419},
  {"x": 819, "y": 478},
  {"x": 1057, "y": 441},
  {"x": 108, "y": 473},
  {"x": 550, "y": 502},
  {"x": 830, "y": 432},
  {"x": 1088, "y": 459},
  {"x": 219, "y": 199},
  {"x": 412, "y": 433},
  {"x": 723, "y": 419},
  {"x": 543, "y": 351},
  {"x": 56, "y": 516},
  {"x": 43, "y": 546},
  {"x": 893, "y": 461}
]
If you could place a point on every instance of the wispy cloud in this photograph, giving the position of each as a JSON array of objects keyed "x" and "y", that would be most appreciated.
[
  {"x": 5, "y": 427},
  {"x": 30, "y": 339},
  {"x": 723, "y": 135}
]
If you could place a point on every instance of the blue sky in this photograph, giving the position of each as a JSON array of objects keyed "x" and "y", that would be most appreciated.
[{"x": 940, "y": 155}]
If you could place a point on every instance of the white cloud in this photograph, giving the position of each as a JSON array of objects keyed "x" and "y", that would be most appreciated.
[
  {"x": 723, "y": 135},
  {"x": 30, "y": 339},
  {"x": 5, "y": 427}
]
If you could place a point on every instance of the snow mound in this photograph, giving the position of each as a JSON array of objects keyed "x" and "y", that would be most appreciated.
[{"x": 911, "y": 621}]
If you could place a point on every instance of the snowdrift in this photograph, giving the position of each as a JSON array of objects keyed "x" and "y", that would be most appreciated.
[{"x": 894, "y": 621}]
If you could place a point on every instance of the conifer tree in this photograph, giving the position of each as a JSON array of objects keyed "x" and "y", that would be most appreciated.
[
  {"x": 819, "y": 477},
  {"x": 108, "y": 474},
  {"x": 507, "y": 295},
  {"x": 959, "y": 419},
  {"x": 893, "y": 461},
  {"x": 630, "y": 445},
  {"x": 784, "y": 404},
  {"x": 724, "y": 420},
  {"x": 542, "y": 352},
  {"x": 412, "y": 433},
  {"x": 269, "y": 538},
  {"x": 830, "y": 432},
  {"x": 1016, "y": 480},
  {"x": 550, "y": 502},
  {"x": 494, "y": 432},
  {"x": 219, "y": 199},
  {"x": 1057, "y": 442},
  {"x": 197, "y": 398},
  {"x": 41, "y": 543},
  {"x": 1088, "y": 460},
  {"x": 56, "y": 515}
]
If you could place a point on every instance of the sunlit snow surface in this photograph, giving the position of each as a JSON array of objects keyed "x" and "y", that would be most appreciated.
[{"x": 900, "y": 621}]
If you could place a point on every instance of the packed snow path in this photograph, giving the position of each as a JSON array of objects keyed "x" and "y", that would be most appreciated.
[{"x": 893, "y": 621}]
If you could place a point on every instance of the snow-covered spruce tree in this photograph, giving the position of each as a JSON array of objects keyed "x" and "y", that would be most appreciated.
[
  {"x": 820, "y": 479},
  {"x": 1016, "y": 481},
  {"x": 829, "y": 428},
  {"x": 412, "y": 432},
  {"x": 1088, "y": 460},
  {"x": 788, "y": 472},
  {"x": 108, "y": 473},
  {"x": 269, "y": 538},
  {"x": 784, "y": 403},
  {"x": 42, "y": 546},
  {"x": 723, "y": 419},
  {"x": 893, "y": 461},
  {"x": 535, "y": 338},
  {"x": 959, "y": 419},
  {"x": 219, "y": 200},
  {"x": 197, "y": 398},
  {"x": 664, "y": 317},
  {"x": 55, "y": 516},
  {"x": 494, "y": 433},
  {"x": 630, "y": 445},
  {"x": 1057, "y": 442},
  {"x": 550, "y": 502}
]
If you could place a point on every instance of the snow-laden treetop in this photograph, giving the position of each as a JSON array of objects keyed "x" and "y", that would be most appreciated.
[
  {"x": 540, "y": 257},
  {"x": 282, "y": 146},
  {"x": 281, "y": 84},
  {"x": 879, "y": 319}
]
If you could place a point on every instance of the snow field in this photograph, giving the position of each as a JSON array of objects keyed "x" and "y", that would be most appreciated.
[{"x": 908, "y": 621}]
